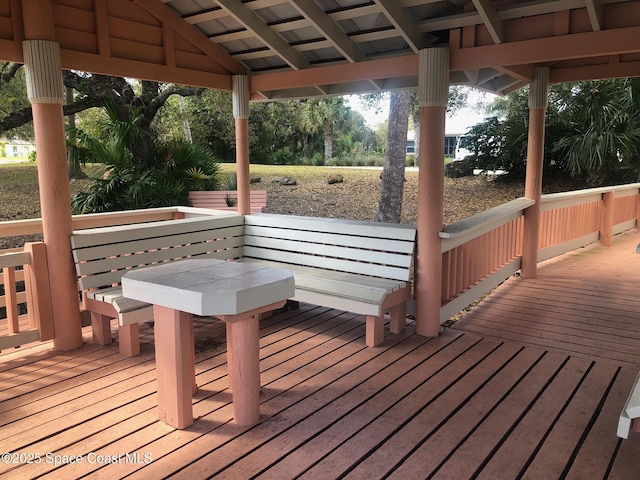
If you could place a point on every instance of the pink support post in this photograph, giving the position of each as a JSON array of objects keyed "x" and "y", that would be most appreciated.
[
  {"x": 533, "y": 183},
  {"x": 43, "y": 73}
]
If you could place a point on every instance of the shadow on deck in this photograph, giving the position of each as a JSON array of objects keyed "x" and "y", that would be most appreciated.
[{"x": 529, "y": 384}]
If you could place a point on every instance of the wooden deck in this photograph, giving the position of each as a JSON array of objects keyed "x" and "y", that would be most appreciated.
[{"x": 511, "y": 391}]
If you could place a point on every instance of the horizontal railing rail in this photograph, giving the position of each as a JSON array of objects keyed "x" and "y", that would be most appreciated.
[{"x": 33, "y": 226}]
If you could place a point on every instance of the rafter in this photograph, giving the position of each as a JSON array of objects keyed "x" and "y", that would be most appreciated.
[
  {"x": 490, "y": 19},
  {"x": 594, "y": 8},
  {"x": 329, "y": 29},
  {"x": 270, "y": 38},
  {"x": 411, "y": 34},
  {"x": 170, "y": 19}
]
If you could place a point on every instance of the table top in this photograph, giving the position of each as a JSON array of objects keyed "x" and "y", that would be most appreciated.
[{"x": 209, "y": 286}]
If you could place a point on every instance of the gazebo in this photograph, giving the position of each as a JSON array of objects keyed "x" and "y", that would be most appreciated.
[{"x": 267, "y": 51}]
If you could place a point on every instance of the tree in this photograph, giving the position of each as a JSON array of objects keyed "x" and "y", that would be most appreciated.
[
  {"x": 592, "y": 132},
  {"x": 327, "y": 115},
  {"x": 602, "y": 135},
  {"x": 401, "y": 105},
  {"x": 90, "y": 91},
  {"x": 13, "y": 98},
  {"x": 162, "y": 178},
  {"x": 392, "y": 185}
]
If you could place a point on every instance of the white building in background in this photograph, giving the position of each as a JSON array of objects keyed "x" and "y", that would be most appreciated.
[{"x": 13, "y": 147}]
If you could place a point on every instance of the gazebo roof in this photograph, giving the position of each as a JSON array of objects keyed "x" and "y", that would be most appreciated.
[{"x": 302, "y": 48}]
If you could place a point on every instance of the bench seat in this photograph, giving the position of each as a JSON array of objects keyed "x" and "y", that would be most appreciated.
[
  {"x": 365, "y": 295},
  {"x": 360, "y": 267},
  {"x": 103, "y": 255},
  {"x": 122, "y": 305}
]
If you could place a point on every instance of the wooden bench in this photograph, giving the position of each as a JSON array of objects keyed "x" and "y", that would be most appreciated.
[
  {"x": 360, "y": 267},
  {"x": 217, "y": 199},
  {"x": 103, "y": 255},
  {"x": 630, "y": 417}
]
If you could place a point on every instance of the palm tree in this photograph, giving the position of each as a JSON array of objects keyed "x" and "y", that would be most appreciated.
[
  {"x": 158, "y": 174},
  {"x": 327, "y": 116},
  {"x": 603, "y": 128}
]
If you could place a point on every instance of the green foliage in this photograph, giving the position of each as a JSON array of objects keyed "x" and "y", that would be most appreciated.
[
  {"x": 279, "y": 132},
  {"x": 230, "y": 182},
  {"x": 592, "y": 132},
  {"x": 410, "y": 160},
  {"x": 133, "y": 180},
  {"x": 13, "y": 97}
]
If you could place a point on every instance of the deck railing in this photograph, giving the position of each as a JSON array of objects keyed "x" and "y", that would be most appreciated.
[
  {"x": 479, "y": 252},
  {"x": 25, "y": 296},
  {"x": 482, "y": 251}
]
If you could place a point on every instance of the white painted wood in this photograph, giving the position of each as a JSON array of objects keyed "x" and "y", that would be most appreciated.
[
  {"x": 331, "y": 225},
  {"x": 348, "y": 265},
  {"x": 328, "y": 263},
  {"x": 303, "y": 274},
  {"x": 16, "y": 259},
  {"x": 627, "y": 191},
  {"x": 129, "y": 233},
  {"x": 630, "y": 411},
  {"x": 381, "y": 244},
  {"x": 136, "y": 316},
  {"x": 361, "y": 254},
  {"x": 100, "y": 250},
  {"x": 18, "y": 339},
  {"x": 624, "y": 226},
  {"x": 209, "y": 287},
  {"x": 339, "y": 303}
]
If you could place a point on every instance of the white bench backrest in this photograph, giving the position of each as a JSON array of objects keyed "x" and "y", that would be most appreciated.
[
  {"x": 102, "y": 255},
  {"x": 367, "y": 248}
]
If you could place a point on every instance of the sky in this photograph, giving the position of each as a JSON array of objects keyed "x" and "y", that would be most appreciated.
[{"x": 460, "y": 122}]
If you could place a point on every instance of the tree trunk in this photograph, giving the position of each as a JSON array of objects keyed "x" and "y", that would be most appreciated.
[
  {"x": 73, "y": 164},
  {"x": 392, "y": 185},
  {"x": 328, "y": 141}
]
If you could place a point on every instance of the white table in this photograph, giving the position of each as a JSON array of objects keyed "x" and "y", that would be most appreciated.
[{"x": 235, "y": 292}]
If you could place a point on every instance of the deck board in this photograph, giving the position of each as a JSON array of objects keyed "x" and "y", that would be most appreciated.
[{"x": 529, "y": 384}]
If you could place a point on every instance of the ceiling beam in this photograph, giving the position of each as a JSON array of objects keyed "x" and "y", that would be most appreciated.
[
  {"x": 594, "y": 9},
  {"x": 329, "y": 29},
  {"x": 401, "y": 21},
  {"x": 270, "y": 38},
  {"x": 342, "y": 73},
  {"x": 170, "y": 18},
  {"x": 490, "y": 19},
  {"x": 576, "y": 45},
  {"x": 595, "y": 72}
]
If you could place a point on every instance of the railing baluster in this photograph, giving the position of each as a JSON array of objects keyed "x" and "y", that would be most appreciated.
[{"x": 10, "y": 293}]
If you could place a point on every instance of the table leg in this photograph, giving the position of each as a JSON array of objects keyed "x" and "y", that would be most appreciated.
[
  {"x": 174, "y": 365},
  {"x": 245, "y": 370}
]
